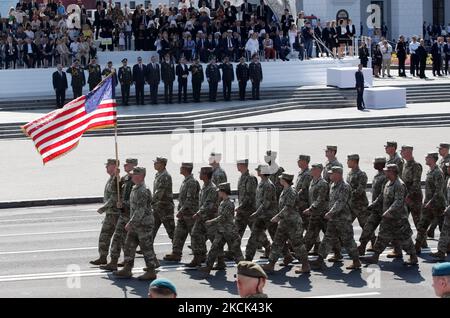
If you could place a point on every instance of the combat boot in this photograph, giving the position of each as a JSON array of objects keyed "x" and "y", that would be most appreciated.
[
  {"x": 306, "y": 268},
  {"x": 412, "y": 260},
  {"x": 149, "y": 275},
  {"x": 206, "y": 270},
  {"x": 336, "y": 258},
  {"x": 172, "y": 257},
  {"x": 100, "y": 261},
  {"x": 287, "y": 260},
  {"x": 418, "y": 247},
  {"x": 356, "y": 264},
  {"x": 125, "y": 272},
  {"x": 318, "y": 263},
  {"x": 269, "y": 267},
  {"x": 220, "y": 265},
  {"x": 196, "y": 261},
  {"x": 111, "y": 266},
  {"x": 373, "y": 259},
  {"x": 395, "y": 253},
  {"x": 439, "y": 256}
]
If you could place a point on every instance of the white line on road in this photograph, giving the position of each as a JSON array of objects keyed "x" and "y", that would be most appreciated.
[
  {"x": 47, "y": 233},
  {"x": 347, "y": 295},
  {"x": 48, "y": 218}
]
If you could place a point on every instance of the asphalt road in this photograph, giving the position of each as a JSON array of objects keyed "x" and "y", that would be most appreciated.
[{"x": 45, "y": 252}]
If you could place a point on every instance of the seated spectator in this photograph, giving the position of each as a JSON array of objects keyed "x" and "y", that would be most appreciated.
[
  {"x": 299, "y": 45},
  {"x": 252, "y": 45},
  {"x": 269, "y": 51}
]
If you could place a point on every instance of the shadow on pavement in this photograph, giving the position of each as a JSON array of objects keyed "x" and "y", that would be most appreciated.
[{"x": 131, "y": 286}]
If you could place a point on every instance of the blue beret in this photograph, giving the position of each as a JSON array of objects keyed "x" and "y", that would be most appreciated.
[
  {"x": 163, "y": 283},
  {"x": 442, "y": 269}
]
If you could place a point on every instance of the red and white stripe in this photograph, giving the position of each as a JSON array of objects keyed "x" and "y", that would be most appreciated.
[{"x": 58, "y": 132}]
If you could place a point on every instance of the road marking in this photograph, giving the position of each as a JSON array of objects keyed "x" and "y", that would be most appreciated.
[
  {"x": 49, "y": 218},
  {"x": 347, "y": 295},
  {"x": 47, "y": 233}
]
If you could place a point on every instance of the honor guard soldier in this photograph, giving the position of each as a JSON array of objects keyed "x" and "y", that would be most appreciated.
[{"x": 126, "y": 80}]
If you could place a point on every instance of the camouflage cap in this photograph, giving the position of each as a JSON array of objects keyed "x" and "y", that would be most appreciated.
[
  {"x": 353, "y": 157},
  {"x": 407, "y": 147},
  {"x": 391, "y": 144},
  {"x": 225, "y": 187},
  {"x": 132, "y": 161},
  {"x": 242, "y": 162},
  {"x": 160, "y": 160},
  {"x": 380, "y": 160},
  {"x": 304, "y": 158},
  {"x": 317, "y": 166},
  {"x": 206, "y": 170},
  {"x": 250, "y": 269},
  {"x": 391, "y": 167},
  {"x": 332, "y": 148},
  {"x": 187, "y": 165},
  {"x": 444, "y": 145},
  {"x": 111, "y": 162},
  {"x": 433, "y": 155},
  {"x": 336, "y": 169},
  {"x": 287, "y": 177},
  {"x": 139, "y": 171}
]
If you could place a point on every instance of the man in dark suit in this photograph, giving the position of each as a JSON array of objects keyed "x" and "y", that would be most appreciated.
[
  {"x": 359, "y": 77},
  {"x": 227, "y": 78},
  {"x": 447, "y": 54},
  {"x": 262, "y": 12},
  {"x": 255, "y": 75},
  {"x": 437, "y": 51},
  {"x": 139, "y": 71},
  {"x": 126, "y": 79},
  {"x": 60, "y": 86},
  {"x": 246, "y": 9},
  {"x": 168, "y": 77},
  {"x": 182, "y": 75},
  {"x": 422, "y": 56},
  {"x": 153, "y": 78},
  {"x": 286, "y": 21},
  {"x": 213, "y": 78},
  {"x": 242, "y": 77}
]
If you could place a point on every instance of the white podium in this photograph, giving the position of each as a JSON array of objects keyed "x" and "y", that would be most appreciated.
[
  {"x": 344, "y": 77},
  {"x": 385, "y": 97}
]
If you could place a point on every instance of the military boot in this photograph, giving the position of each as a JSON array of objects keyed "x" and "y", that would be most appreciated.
[
  {"x": 336, "y": 258},
  {"x": 111, "y": 266},
  {"x": 269, "y": 267},
  {"x": 287, "y": 260},
  {"x": 173, "y": 257},
  {"x": 373, "y": 259},
  {"x": 318, "y": 263},
  {"x": 149, "y": 275},
  {"x": 412, "y": 260},
  {"x": 100, "y": 261},
  {"x": 125, "y": 272},
  {"x": 306, "y": 268},
  {"x": 220, "y": 265},
  {"x": 439, "y": 256},
  {"x": 356, "y": 264},
  {"x": 418, "y": 247},
  {"x": 196, "y": 261},
  {"x": 395, "y": 253}
]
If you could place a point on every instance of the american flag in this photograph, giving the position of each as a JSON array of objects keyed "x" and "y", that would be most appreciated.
[{"x": 60, "y": 131}]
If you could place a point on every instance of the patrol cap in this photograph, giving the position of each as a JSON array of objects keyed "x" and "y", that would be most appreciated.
[
  {"x": 250, "y": 269},
  {"x": 132, "y": 161},
  {"x": 407, "y": 147},
  {"x": 380, "y": 160},
  {"x": 242, "y": 162},
  {"x": 304, "y": 158},
  {"x": 111, "y": 162},
  {"x": 391, "y": 144},
  {"x": 391, "y": 167},
  {"x": 287, "y": 177},
  {"x": 433, "y": 155},
  {"x": 263, "y": 169},
  {"x": 206, "y": 170},
  {"x": 442, "y": 269},
  {"x": 444, "y": 145},
  {"x": 124, "y": 60},
  {"x": 138, "y": 171},
  {"x": 331, "y": 148},
  {"x": 187, "y": 165},
  {"x": 317, "y": 166},
  {"x": 353, "y": 157},
  {"x": 163, "y": 283},
  {"x": 336, "y": 169},
  {"x": 160, "y": 160},
  {"x": 225, "y": 187}
]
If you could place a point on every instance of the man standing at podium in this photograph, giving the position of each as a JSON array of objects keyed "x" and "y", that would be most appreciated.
[{"x": 359, "y": 77}]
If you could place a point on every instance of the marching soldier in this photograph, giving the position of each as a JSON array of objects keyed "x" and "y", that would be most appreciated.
[
  {"x": 111, "y": 210},
  {"x": 275, "y": 170},
  {"x": 289, "y": 228},
  {"x": 168, "y": 77},
  {"x": 187, "y": 206},
  {"x": 256, "y": 75},
  {"x": 213, "y": 78},
  {"x": 219, "y": 176},
  {"x": 394, "y": 226},
  {"x": 339, "y": 218},
  {"x": 95, "y": 74},
  {"x": 140, "y": 229},
  {"x": 434, "y": 203},
  {"x": 126, "y": 80},
  {"x": 162, "y": 202},
  {"x": 197, "y": 79},
  {"x": 412, "y": 176},
  {"x": 247, "y": 185},
  {"x": 78, "y": 79},
  {"x": 394, "y": 158},
  {"x": 227, "y": 77},
  {"x": 242, "y": 77},
  {"x": 225, "y": 230},
  {"x": 332, "y": 161},
  {"x": 207, "y": 211},
  {"x": 375, "y": 213}
]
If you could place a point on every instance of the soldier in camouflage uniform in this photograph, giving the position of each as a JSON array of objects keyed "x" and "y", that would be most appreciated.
[
  {"x": 247, "y": 185},
  {"x": 434, "y": 203},
  {"x": 302, "y": 186},
  {"x": 332, "y": 161},
  {"x": 162, "y": 203},
  {"x": 444, "y": 239},
  {"x": 357, "y": 180},
  {"x": 394, "y": 157},
  {"x": 266, "y": 208},
  {"x": 139, "y": 229},
  {"x": 225, "y": 230},
  {"x": 317, "y": 206},
  {"x": 394, "y": 224},
  {"x": 187, "y": 206},
  {"x": 339, "y": 218},
  {"x": 275, "y": 171},
  {"x": 207, "y": 210},
  {"x": 412, "y": 177},
  {"x": 111, "y": 210},
  {"x": 289, "y": 227},
  {"x": 375, "y": 213},
  {"x": 120, "y": 234},
  {"x": 95, "y": 74},
  {"x": 219, "y": 176}
]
